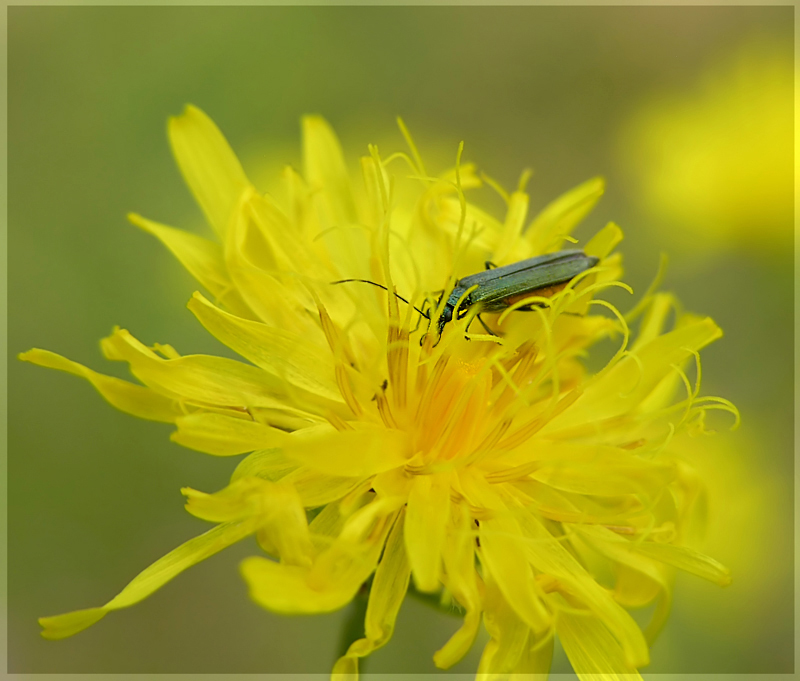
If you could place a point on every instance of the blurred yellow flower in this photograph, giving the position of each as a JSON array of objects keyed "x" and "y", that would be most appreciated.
[
  {"x": 714, "y": 167},
  {"x": 494, "y": 469}
]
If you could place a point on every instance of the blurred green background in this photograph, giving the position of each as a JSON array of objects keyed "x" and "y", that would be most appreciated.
[{"x": 671, "y": 104}]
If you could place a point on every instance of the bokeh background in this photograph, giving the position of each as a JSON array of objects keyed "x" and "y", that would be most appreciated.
[{"x": 688, "y": 113}]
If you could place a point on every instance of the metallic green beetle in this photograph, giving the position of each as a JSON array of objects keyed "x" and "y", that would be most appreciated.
[{"x": 500, "y": 287}]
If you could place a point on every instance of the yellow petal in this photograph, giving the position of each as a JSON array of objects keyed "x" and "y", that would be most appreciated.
[
  {"x": 268, "y": 464},
  {"x": 285, "y": 355},
  {"x": 317, "y": 489},
  {"x": 509, "y": 636},
  {"x": 224, "y": 435},
  {"x": 508, "y": 244},
  {"x": 593, "y": 652},
  {"x": 559, "y": 217},
  {"x": 385, "y": 598},
  {"x": 208, "y": 165},
  {"x": 375, "y": 182},
  {"x": 200, "y": 378},
  {"x": 128, "y": 397},
  {"x": 626, "y": 384},
  {"x": 428, "y": 511},
  {"x": 605, "y": 241},
  {"x": 623, "y": 552},
  {"x": 285, "y": 589},
  {"x": 326, "y": 173},
  {"x": 462, "y": 581},
  {"x": 152, "y": 579},
  {"x": 276, "y": 508},
  {"x": 687, "y": 559},
  {"x": 549, "y": 556},
  {"x": 68, "y": 624},
  {"x": 335, "y": 577},
  {"x": 536, "y": 659},
  {"x": 502, "y": 554},
  {"x": 202, "y": 258},
  {"x": 600, "y": 471},
  {"x": 264, "y": 272},
  {"x": 350, "y": 452}
]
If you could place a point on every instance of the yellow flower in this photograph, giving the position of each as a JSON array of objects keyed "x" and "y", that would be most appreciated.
[
  {"x": 493, "y": 468},
  {"x": 714, "y": 166}
]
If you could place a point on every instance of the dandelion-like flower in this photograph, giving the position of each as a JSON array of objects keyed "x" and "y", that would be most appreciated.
[
  {"x": 711, "y": 162},
  {"x": 489, "y": 466}
]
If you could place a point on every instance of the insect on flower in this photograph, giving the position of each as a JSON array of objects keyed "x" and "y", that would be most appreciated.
[
  {"x": 542, "y": 498},
  {"x": 498, "y": 288}
]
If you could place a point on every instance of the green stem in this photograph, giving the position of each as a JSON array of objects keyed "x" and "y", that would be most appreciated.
[
  {"x": 353, "y": 627},
  {"x": 434, "y": 601}
]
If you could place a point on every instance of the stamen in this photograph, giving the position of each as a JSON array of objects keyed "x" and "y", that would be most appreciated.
[
  {"x": 525, "y": 432},
  {"x": 650, "y": 292},
  {"x": 385, "y": 410},
  {"x": 337, "y": 422},
  {"x": 432, "y": 387},
  {"x": 489, "y": 442},
  {"x": 397, "y": 360},
  {"x": 494, "y": 184},
  {"x": 413, "y": 147},
  {"x": 346, "y": 390}
]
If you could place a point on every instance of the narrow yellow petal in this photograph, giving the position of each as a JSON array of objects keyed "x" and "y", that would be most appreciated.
[
  {"x": 281, "y": 353},
  {"x": 152, "y": 579},
  {"x": 687, "y": 559},
  {"x": 626, "y": 384},
  {"x": 502, "y": 554},
  {"x": 623, "y": 552},
  {"x": 593, "y": 652},
  {"x": 600, "y": 471},
  {"x": 331, "y": 582},
  {"x": 462, "y": 581},
  {"x": 549, "y": 556},
  {"x": 605, "y": 241},
  {"x": 512, "y": 228},
  {"x": 385, "y": 598},
  {"x": 428, "y": 515},
  {"x": 558, "y": 218},
  {"x": 208, "y": 165},
  {"x": 128, "y": 397},
  {"x": 202, "y": 258},
  {"x": 317, "y": 489},
  {"x": 345, "y": 669},
  {"x": 268, "y": 464},
  {"x": 225, "y": 435},
  {"x": 201, "y": 378},
  {"x": 350, "y": 452},
  {"x": 509, "y": 636},
  {"x": 536, "y": 659},
  {"x": 63, "y": 626},
  {"x": 264, "y": 272},
  {"x": 285, "y": 589},
  {"x": 326, "y": 173},
  {"x": 277, "y": 508}
]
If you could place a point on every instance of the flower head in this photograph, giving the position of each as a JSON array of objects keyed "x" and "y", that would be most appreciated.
[
  {"x": 710, "y": 163},
  {"x": 487, "y": 464}
]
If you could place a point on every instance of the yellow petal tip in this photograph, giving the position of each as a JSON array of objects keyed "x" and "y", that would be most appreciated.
[{"x": 68, "y": 624}]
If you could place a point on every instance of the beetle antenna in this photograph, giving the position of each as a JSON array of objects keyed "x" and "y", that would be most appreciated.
[{"x": 367, "y": 281}]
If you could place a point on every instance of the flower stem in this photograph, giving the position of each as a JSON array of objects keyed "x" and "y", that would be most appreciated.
[{"x": 353, "y": 625}]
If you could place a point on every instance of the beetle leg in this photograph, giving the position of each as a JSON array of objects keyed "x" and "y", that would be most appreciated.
[
  {"x": 490, "y": 265},
  {"x": 483, "y": 324},
  {"x": 427, "y": 316}
]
